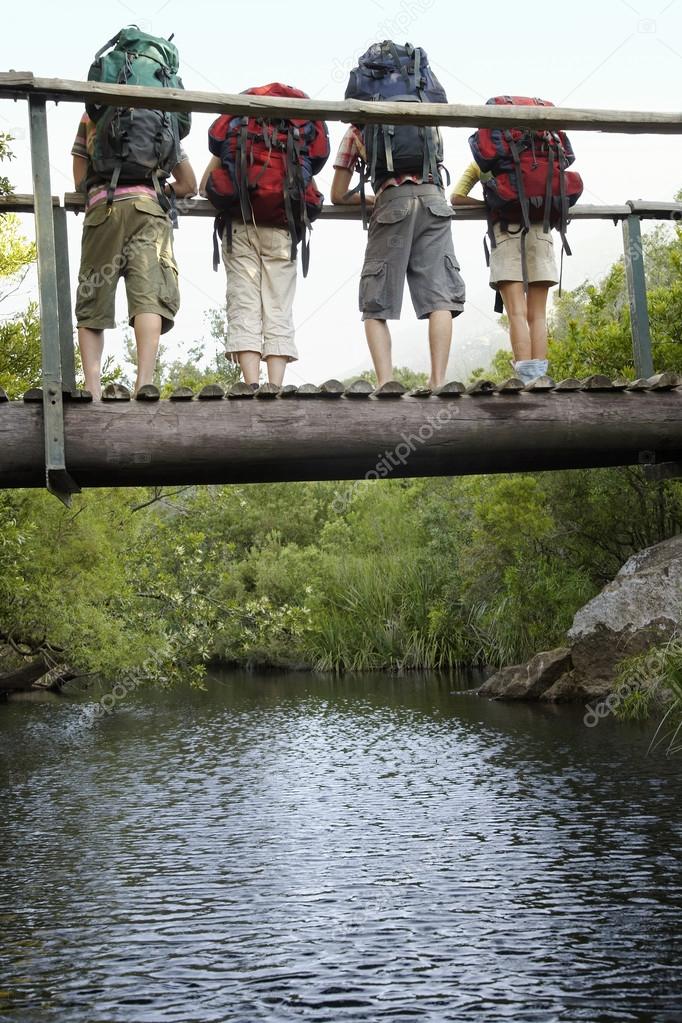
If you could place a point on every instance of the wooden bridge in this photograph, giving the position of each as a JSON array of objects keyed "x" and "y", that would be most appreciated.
[
  {"x": 59, "y": 437},
  {"x": 337, "y": 433}
]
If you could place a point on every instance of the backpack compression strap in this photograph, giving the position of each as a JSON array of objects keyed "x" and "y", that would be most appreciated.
[
  {"x": 242, "y": 172},
  {"x": 294, "y": 186},
  {"x": 402, "y": 68},
  {"x": 525, "y": 209}
]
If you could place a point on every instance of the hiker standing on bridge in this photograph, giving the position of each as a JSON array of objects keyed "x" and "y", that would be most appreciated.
[
  {"x": 123, "y": 160},
  {"x": 260, "y": 178},
  {"x": 410, "y": 230},
  {"x": 527, "y": 191}
]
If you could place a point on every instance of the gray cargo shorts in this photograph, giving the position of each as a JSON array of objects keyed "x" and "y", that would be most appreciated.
[{"x": 410, "y": 234}]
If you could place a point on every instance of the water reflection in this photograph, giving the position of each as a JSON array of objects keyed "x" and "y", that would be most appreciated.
[{"x": 293, "y": 847}]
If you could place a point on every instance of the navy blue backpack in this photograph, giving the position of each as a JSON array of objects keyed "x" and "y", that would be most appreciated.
[{"x": 399, "y": 74}]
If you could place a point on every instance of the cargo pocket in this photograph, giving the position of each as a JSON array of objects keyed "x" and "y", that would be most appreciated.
[
  {"x": 96, "y": 216},
  {"x": 95, "y": 249},
  {"x": 169, "y": 292},
  {"x": 392, "y": 213},
  {"x": 89, "y": 281},
  {"x": 439, "y": 208},
  {"x": 373, "y": 287},
  {"x": 146, "y": 204},
  {"x": 454, "y": 279}
]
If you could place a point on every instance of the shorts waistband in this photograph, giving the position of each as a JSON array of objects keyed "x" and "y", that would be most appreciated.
[{"x": 410, "y": 188}]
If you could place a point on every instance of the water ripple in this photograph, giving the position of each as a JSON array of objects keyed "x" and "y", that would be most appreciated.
[{"x": 303, "y": 849}]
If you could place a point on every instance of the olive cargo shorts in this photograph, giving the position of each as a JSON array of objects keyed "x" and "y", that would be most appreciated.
[
  {"x": 132, "y": 239},
  {"x": 410, "y": 234}
]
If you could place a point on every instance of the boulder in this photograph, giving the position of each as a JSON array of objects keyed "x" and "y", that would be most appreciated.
[
  {"x": 640, "y": 609},
  {"x": 528, "y": 681}
]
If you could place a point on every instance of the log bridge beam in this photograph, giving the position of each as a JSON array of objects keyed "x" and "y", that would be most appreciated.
[{"x": 329, "y": 433}]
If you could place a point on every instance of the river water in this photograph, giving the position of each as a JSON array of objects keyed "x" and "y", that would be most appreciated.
[{"x": 303, "y": 848}]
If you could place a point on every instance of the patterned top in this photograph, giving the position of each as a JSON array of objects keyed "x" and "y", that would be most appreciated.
[
  {"x": 352, "y": 151},
  {"x": 83, "y": 146}
]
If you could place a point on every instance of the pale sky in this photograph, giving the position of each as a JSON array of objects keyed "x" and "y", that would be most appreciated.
[{"x": 617, "y": 55}]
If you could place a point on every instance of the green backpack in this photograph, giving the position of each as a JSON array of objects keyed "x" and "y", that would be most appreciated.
[{"x": 133, "y": 145}]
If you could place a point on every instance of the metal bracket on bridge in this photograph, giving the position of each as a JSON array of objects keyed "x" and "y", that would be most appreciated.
[{"x": 51, "y": 281}]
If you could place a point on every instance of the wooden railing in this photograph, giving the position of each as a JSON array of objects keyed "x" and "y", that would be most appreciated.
[{"x": 50, "y": 213}]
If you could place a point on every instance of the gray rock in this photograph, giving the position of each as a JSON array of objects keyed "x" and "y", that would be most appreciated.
[
  {"x": 641, "y": 608},
  {"x": 529, "y": 681},
  {"x": 574, "y": 687}
]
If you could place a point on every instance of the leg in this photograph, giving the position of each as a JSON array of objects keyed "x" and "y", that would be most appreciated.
[
  {"x": 440, "y": 338},
  {"x": 151, "y": 279},
  {"x": 249, "y": 363},
  {"x": 436, "y": 286},
  {"x": 276, "y": 365},
  {"x": 379, "y": 341},
  {"x": 147, "y": 327},
  {"x": 278, "y": 288},
  {"x": 243, "y": 269},
  {"x": 537, "y": 319},
  {"x": 382, "y": 279},
  {"x": 91, "y": 344},
  {"x": 514, "y": 299}
]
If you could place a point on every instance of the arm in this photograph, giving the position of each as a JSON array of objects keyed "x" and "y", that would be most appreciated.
[
  {"x": 213, "y": 164},
  {"x": 464, "y": 200},
  {"x": 351, "y": 152},
  {"x": 184, "y": 180},
  {"x": 468, "y": 180},
  {"x": 80, "y": 171},
  {"x": 341, "y": 194}
]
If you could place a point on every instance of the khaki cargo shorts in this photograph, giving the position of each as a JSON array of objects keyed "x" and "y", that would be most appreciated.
[
  {"x": 505, "y": 258},
  {"x": 261, "y": 284},
  {"x": 410, "y": 235},
  {"x": 132, "y": 239}
]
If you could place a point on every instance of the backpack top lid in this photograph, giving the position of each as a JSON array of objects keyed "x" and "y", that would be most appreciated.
[
  {"x": 276, "y": 89},
  {"x": 518, "y": 101},
  {"x": 387, "y": 70},
  {"x": 385, "y": 57},
  {"x": 132, "y": 40}
]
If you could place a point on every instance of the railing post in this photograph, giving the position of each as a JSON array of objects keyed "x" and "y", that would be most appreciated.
[
  {"x": 636, "y": 280},
  {"x": 61, "y": 241},
  {"x": 58, "y": 480}
]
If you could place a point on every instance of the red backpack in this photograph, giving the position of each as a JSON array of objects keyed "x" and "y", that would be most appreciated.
[
  {"x": 530, "y": 183},
  {"x": 266, "y": 171}
]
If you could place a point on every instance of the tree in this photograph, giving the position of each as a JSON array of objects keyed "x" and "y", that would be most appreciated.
[{"x": 20, "y": 359}]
